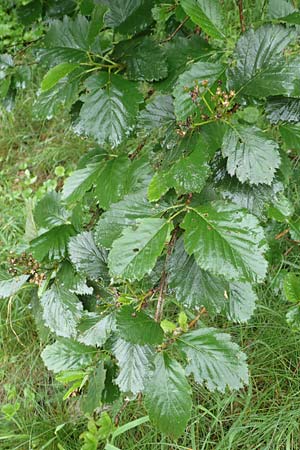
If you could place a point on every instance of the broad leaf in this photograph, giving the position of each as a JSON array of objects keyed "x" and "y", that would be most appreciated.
[
  {"x": 123, "y": 214},
  {"x": 53, "y": 243},
  {"x": 9, "y": 287},
  {"x": 135, "y": 363},
  {"x": 61, "y": 311},
  {"x": 128, "y": 16},
  {"x": 158, "y": 113},
  {"x": 283, "y": 109},
  {"x": 94, "y": 329},
  {"x": 49, "y": 211},
  {"x": 87, "y": 257},
  {"x": 240, "y": 302},
  {"x": 226, "y": 241},
  {"x": 110, "y": 108},
  {"x": 207, "y": 14},
  {"x": 252, "y": 156},
  {"x": 188, "y": 81},
  {"x": 93, "y": 397},
  {"x": 144, "y": 59},
  {"x": 291, "y": 136},
  {"x": 55, "y": 74},
  {"x": 187, "y": 175},
  {"x": 213, "y": 359},
  {"x": 137, "y": 327},
  {"x": 168, "y": 396},
  {"x": 134, "y": 254},
  {"x": 291, "y": 287},
  {"x": 66, "y": 354},
  {"x": 260, "y": 70}
]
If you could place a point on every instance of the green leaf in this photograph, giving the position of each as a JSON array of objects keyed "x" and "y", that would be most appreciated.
[
  {"x": 61, "y": 311},
  {"x": 53, "y": 243},
  {"x": 135, "y": 363},
  {"x": 134, "y": 254},
  {"x": 168, "y": 396},
  {"x": 226, "y": 241},
  {"x": 55, "y": 74},
  {"x": 124, "y": 214},
  {"x": 260, "y": 69},
  {"x": 66, "y": 354},
  {"x": 291, "y": 136},
  {"x": 11, "y": 286},
  {"x": 49, "y": 211},
  {"x": 189, "y": 174},
  {"x": 240, "y": 302},
  {"x": 30, "y": 12},
  {"x": 110, "y": 108},
  {"x": 191, "y": 78},
  {"x": 94, "y": 329},
  {"x": 214, "y": 360},
  {"x": 73, "y": 281},
  {"x": 87, "y": 257},
  {"x": 137, "y": 327},
  {"x": 207, "y": 14},
  {"x": 283, "y": 109},
  {"x": 159, "y": 113},
  {"x": 82, "y": 180},
  {"x": 144, "y": 59},
  {"x": 252, "y": 156},
  {"x": 293, "y": 318},
  {"x": 128, "y": 16},
  {"x": 92, "y": 399},
  {"x": 279, "y": 8},
  {"x": 291, "y": 287}
]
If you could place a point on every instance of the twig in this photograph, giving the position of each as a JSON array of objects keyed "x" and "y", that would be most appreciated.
[
  {"x": 241, "y": 13},
  {"x": 117, "y": 418},
  {"x": 163, "y": 281},
  {"x": 193, "y": 323},
  {"x": 282, "y": 234},
  {"x": 177, "y": 29}
]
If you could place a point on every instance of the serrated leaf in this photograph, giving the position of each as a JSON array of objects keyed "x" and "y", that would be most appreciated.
[
  {"x": 213, "y": 359},
  {"x": 240, "y": 302},
  {"x": 53, "y": 243},
  {"x": 61, "y": 311},
  {"x": 87, "y": 257},
  {"x": 137, "y": 327},
  {"x": 291, "y": 287},
  {"x": 123, "y": 214},
  {"x": 283, "y": 109},
  {"x": 94, "y": 329},
  {"x": 226, "y": 241},
  {"x": 9, "y": 287},
  {"x": 207, "y": 14},
  {"x": 92, "y": 399},
  {"x": 198, "y": 72},
  {"x": 144, "y": 59},
  {"x": 66, "y": 354},
  {"x": 49, "y": 211},
  {"x": 168, "y": 396},
  {"x": 158, "y": 113},
  {"x": 128, "y": 16},
  {"x": 291, "y": 136},
  {"x": 279, "y": 8},
  {"x": 134, "y": 254},
  {"x": 110, "y": 108},
  {"x": 252, "y": 156},
  {"x": 73, "y": 281},
  {"x": 55, "y": 74},
  {"x": 189, "y": 174},
  {"x": 135, "y": 363},
  {"x": 261, "y": 70}
]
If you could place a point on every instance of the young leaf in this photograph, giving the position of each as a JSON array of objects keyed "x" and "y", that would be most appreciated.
[
  {"x": 252, "y": 156},
  {"x": 213, "y": 359},
  {"x": 66, "y": 354},
  {"x": 226, "y": 241},
  {"x": 11, "y": 286},
  {"x": 207, "y": 14},
  {"x": 94, "y": 329},
  {"x": 134, "y": 254},
  {"x": 87, "y": 257},
  {"x": 61, "y": 311},
  {"x": 135, "y": 363},
  {"x": 168, "y": 396},
  {"x": 188, "y": 81},
  {"x": 137, "y": 327},
  {"x": 110, "y": 108},
  {"x": 260, "y": 70},
  {"x": 92, "y": 399},
  {"x": 55, "y": 74}
]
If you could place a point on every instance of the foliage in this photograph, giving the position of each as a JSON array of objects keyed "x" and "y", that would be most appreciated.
[{"x": 162, "y": 214}]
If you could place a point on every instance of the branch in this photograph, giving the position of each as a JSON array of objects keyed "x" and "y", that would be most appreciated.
[
  {"x": 241, "y": 13},
  {"x": 177, "y": 29}
]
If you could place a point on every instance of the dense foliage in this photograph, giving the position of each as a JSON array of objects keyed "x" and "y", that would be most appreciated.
[{"x": 172, "y": 218}]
